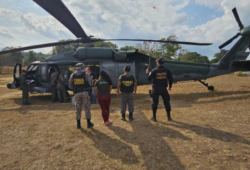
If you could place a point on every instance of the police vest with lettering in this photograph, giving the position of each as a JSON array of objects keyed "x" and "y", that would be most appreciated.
[
  {"x": 127, "y": 83},
  {"x": 160, "y": 78},
  {"x": 80, "y": 83}
]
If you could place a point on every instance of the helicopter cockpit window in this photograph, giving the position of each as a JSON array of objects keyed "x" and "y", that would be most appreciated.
[
  {"x": 32, "y": 68},
  {"x": 44, "y": 72}
]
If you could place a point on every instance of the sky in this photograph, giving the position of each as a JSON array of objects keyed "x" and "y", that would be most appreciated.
[{"x": 24, "y": 23}]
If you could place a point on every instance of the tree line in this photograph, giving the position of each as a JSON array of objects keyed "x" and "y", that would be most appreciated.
[{"x": 168, "y": 51}]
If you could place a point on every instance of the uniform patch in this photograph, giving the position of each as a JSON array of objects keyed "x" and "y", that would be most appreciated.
[
  {"x": 78, "y": 81},
  {"x": 127, "y": 83},
  {"x": 161, "y": 76}
]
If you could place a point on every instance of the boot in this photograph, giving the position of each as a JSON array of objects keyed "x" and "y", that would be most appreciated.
[
  {"x": 123, "y": 117},
  {"x": 89, "y": 124},
  {"x": 131, "y": 116},
  {"x": 78, "y": 126},
  {"x": 154, "y": 116},
  {"x": 168, "y": 115}
]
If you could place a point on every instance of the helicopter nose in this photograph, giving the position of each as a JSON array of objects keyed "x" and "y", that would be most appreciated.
[{"x": 10, "y": 85}]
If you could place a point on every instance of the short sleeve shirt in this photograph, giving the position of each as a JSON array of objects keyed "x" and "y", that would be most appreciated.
[{"x": 102, "y": 87}]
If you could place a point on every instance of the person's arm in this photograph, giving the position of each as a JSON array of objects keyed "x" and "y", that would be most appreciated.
[
  {"x": 96, "y": 90},
  {"x": 71, "y": 81},
  {"x": 151, "y": 75},
  {"x": 89, "y": 79},
  {"x": 110, "y": 88},
  {"x": 135, "y": 87},
  {"x": 170, "y": 79},
  {"x": 118, "y": 88}
]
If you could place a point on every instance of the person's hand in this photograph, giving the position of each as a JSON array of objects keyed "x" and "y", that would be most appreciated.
[
  {"x": 169, "y": 89},
  {"x": 147, "y": 70},
  {"x": 118, "y": 94},
  {"x": 134, "y": 93}
]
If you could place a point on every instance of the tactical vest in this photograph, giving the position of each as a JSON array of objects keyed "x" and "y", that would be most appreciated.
[
  {"x": 80, "y": 83},
  {"x": 127, "y": 83},
  {"x": 160, "y": 79}
]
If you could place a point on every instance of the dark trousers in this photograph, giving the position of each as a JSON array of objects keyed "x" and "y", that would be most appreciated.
[
  {"x": 54, "y": 93},
  {"x": 166, "y": 100},
  {"x": 25, "y": 95},
  {"x": 104, "y": 102}
]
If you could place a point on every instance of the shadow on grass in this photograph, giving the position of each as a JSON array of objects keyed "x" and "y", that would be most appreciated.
[
  {"x": 114, "y": 148},
  {"x": 210, "y": 132},
  {"x": 42, "y": 102},
  {"x": 155, "y": 152}
]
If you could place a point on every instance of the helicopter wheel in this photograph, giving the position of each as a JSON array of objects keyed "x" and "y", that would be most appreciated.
[{"x": 210, "y": 88}]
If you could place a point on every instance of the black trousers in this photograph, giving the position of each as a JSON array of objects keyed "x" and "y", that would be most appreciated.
[{"x": 165, "y": 97}]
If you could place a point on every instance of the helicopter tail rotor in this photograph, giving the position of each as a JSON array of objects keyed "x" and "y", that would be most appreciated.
[{"x": 236, "y": 16}]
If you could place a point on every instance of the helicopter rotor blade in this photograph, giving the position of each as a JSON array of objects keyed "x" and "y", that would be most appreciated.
[
  {"x": 161, "y": 41},
  {"x": 58, "y": 10},
  {"x": 38, "y": 46},
  {"x": 237, "y": 18},
  {"x": 228, "y": 41}
]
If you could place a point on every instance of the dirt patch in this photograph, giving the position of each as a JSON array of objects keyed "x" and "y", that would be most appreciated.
[{"x": 210, "y": 131}]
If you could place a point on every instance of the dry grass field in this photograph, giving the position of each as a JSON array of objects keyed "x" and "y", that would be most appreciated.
[{"x": 210, "y": 131}]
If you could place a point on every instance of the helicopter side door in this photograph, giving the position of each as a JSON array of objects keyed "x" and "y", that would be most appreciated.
[{"x": 16, "y": 74}]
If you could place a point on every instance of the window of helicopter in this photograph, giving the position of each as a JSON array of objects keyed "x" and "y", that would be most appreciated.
[{"x": 44, "y": 72}]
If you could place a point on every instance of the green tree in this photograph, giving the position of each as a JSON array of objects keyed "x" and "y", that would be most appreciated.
[
  {"x": 218, "y": 56},
  {"x": 193, "y": 57},
  {"x": 9, "y": 59},
  {"x": 30, "y": 57},
  {"x": 74, "y": 46},
  {"x": 105, "y": 44},
  {"x": 167, "y": 51},
  {"x": 128, "y": 48},
  {"x": 65, "y": 48}
]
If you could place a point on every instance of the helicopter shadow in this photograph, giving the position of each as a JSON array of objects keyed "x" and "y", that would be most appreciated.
[
  {"x": 44, "y": 102},
  {"x": 114, "y": 148},
  {"x": 209, "y": 132},
  {"x": 154, "y": 150}
]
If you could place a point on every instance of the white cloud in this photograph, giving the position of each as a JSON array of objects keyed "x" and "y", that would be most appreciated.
[
  {"x": 5, "y": 34},
  {"x": 209, "y": 3},
  {"x": 125, "y": 19}
]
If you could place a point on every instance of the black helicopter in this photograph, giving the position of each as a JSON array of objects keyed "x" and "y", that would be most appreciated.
[{"x": 113, "y": 60}]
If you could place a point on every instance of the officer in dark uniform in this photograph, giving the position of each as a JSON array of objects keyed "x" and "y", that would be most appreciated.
[
  {"x": 24, "y": 87},
  {"x": 80, "y": 82},
  {"x": 161, "y": 77},
  {"x": 53, "y": 84},
  {"x": 128, "y": 85}
]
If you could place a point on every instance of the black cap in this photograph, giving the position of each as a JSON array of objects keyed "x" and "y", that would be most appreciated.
[
  {"x": 160, "y": 60},
  {"x": 127, "y": 68}
]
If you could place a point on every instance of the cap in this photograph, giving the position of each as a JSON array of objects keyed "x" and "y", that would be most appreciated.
[
  {"x": 160, "y": 60},
  {"x": 127, "y": 68},
  {"x": 79, "y": 66}
]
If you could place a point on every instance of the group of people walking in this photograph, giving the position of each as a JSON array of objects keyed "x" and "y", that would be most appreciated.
[{"x": 80, "y": 82}]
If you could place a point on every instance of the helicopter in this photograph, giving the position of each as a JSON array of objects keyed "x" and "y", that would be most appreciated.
[{"x": 113, "y": 60}]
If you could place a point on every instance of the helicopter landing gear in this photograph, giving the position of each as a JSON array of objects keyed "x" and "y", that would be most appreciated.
[{"x": 206, "y": 84}]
